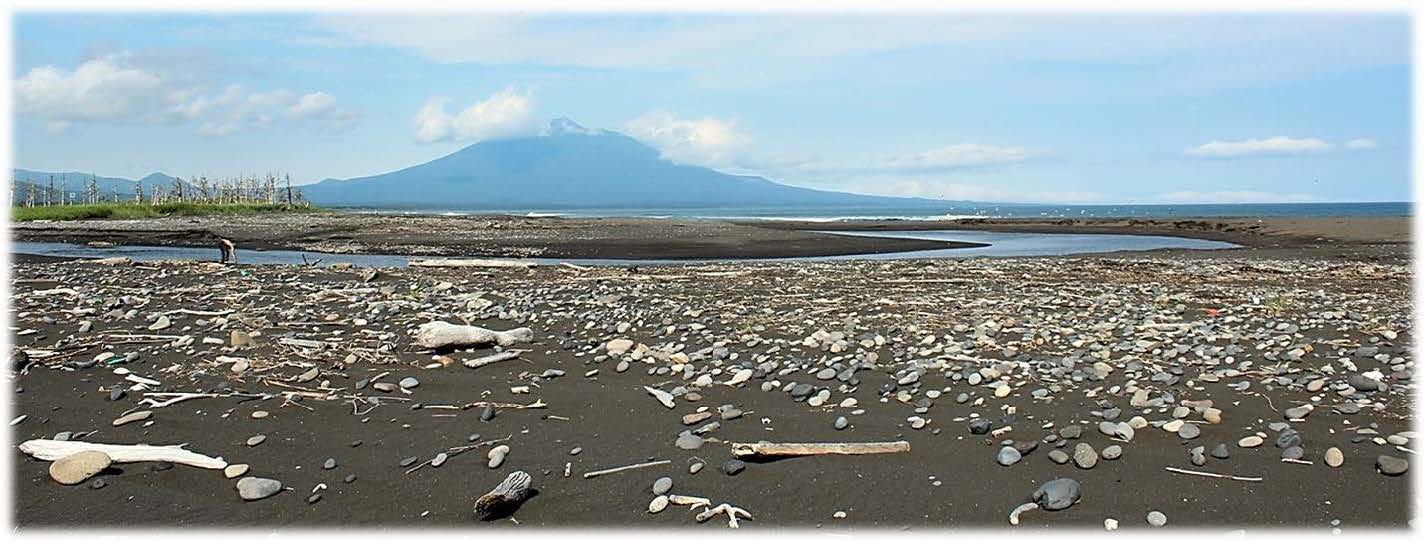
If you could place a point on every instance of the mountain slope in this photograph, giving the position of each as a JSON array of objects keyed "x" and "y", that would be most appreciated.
[
  {"x": 76, "y": 183},
  {"x": 573, "y": 167}
]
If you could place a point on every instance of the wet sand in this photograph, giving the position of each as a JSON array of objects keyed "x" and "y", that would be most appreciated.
[
  {"x": 1024, "y": 316},
  {"x": 648, "y": 238}
]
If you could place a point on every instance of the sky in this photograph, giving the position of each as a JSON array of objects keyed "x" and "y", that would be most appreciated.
[{"x": 1064, "y": 108}]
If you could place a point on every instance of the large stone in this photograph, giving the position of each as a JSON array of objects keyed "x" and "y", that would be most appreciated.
[
  {"x": 252, "y": 488},
  {"x": 1058, "y": 494},
  {"x": 1391, "y": 465},
  {"x": 78, "y": 467}
]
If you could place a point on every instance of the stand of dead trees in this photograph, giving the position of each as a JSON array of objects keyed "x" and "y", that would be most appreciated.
[{"x": 269, "y": 189}]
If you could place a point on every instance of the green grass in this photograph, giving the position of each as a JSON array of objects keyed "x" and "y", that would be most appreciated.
[{"x": 142, "y": 210}]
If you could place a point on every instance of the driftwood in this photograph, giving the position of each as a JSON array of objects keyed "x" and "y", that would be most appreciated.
[
  {"x": 492, "y": 358},
  {"x": 505, "y": 498},
  {"x": 440, "y": 334},
  {"x": 117, "y": 260},
  {"x": 50, "y": 450},
  {"x": 627, "y": 467},
  {"x": 1213, "y": 475},
  {"x": 471, "y": 263},
  {"x": 770, "y": 449}
]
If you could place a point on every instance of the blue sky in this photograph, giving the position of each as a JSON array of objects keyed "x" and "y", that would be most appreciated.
[{"x": 1064, "y": 108}]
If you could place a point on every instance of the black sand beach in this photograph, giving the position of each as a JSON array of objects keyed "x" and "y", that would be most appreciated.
[{"x": 1074, "y": 341}]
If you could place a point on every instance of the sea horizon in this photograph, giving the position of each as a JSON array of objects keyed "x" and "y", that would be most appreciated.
[{"x": 947, "y": 212}]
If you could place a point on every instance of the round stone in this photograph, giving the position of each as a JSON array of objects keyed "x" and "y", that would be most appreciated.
[
  {"x": 1112, "y": 452},
  {"x": 235, "y": 470},
  {"x": 1189, "y": 431},
  {"x": 1085, "y": 456},
  {"x": 662, "y": 485},
  {"x": 658, "y": 504},
  {"x": 1333, "y": 457},
  {"x": 1008, "y": 456},
  {"x": 840, "y": 423},
  {"x": 329, "y": 464},
  {"x": 1391, "y": 466},
  {"x": 733, "y": 466},
  {"x": 1252, "y": 441},
  {"x": 409, "y": 382},
  {"x": 1157, "y": 519},
  {"x": 1058, "y": 456},
  {"x": 255, "y": 440},
  {"x": 251, "y": 489},
  {"x": 78, "y": 467}
]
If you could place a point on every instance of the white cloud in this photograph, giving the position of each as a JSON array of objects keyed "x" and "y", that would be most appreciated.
[
  {"x": 506, "y": 113},
  {"x": 113, "y": 89},
  {"x": 708, "y": 141},
  {"x": 1279, "y": 145},
  {"x": 1361, "y": 144},
  {"x": 103, "y": 89},
  {"x": 1237, "y": 196}
]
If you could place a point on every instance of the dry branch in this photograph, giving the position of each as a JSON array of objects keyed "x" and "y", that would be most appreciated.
[{"x": 771, "y": 449}]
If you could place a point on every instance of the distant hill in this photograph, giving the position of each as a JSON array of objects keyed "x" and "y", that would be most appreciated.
[
  {"x": 574, "y": 167},
  {"x": 75, "y": 183}
]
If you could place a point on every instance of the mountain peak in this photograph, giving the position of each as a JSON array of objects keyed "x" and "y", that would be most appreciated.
[{"x": 566, "y": 125}]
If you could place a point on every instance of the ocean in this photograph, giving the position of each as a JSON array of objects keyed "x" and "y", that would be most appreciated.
[{"x": 951, "y": 211}]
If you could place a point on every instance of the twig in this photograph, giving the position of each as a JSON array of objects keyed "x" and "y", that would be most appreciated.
[
  {"x": 628, "y": 467},
  {"x": 1213, "y": 474}
]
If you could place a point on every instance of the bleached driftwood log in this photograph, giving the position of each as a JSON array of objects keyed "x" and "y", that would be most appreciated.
[
  {"x": 440, "y": 334},
  {"x": 471, "y": 263},
  {"x": 117, "y": 260},
  {"x": 772, "y": 449},
  {"x": 50, "y": 450}
]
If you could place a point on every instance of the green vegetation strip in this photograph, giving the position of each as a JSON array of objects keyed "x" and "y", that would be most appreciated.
[{"x": 139, "y": 210}]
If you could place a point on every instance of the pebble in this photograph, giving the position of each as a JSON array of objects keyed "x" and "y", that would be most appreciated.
[
  {"x": 259, "y": 414},
  {"x": 733, "y": 466},
  {"x": 1189, "y": 432},
  {"x": 1220, "y": 451},
  {"x": 1008, "y": 456},
  {"x": 439, "y": 459},
  {"x": 409, "y": 383},
  {"x": 658, "y": 504},
  {"x": 497, "y": 456},
  {"x": 1391, "y": 465},
  {"x": 78, "y": 467},
  {"x": 1058, "y": 456},
  {"x": 329, "y": 464},
  {"x": 235, "y": 470},
  {"x": 688, "y": 441},
  {"x": 1333, "y": 457},
  {"x": 1157, "y": 519},
  {"x": 1112, "y": 452},
  {"x": 255, "y": 440},
  {"x": 840, "y": 423},
  {"x": 252, "y": 489},
  {"x": 662, "y": 485},
  {"x": 1084, "y": 456},
  {"x": 408, "y": 461},
  {"x": 1252, "y": 441}
]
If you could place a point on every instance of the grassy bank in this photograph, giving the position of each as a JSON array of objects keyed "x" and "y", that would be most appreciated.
[{"x": 139, "y": 210}]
